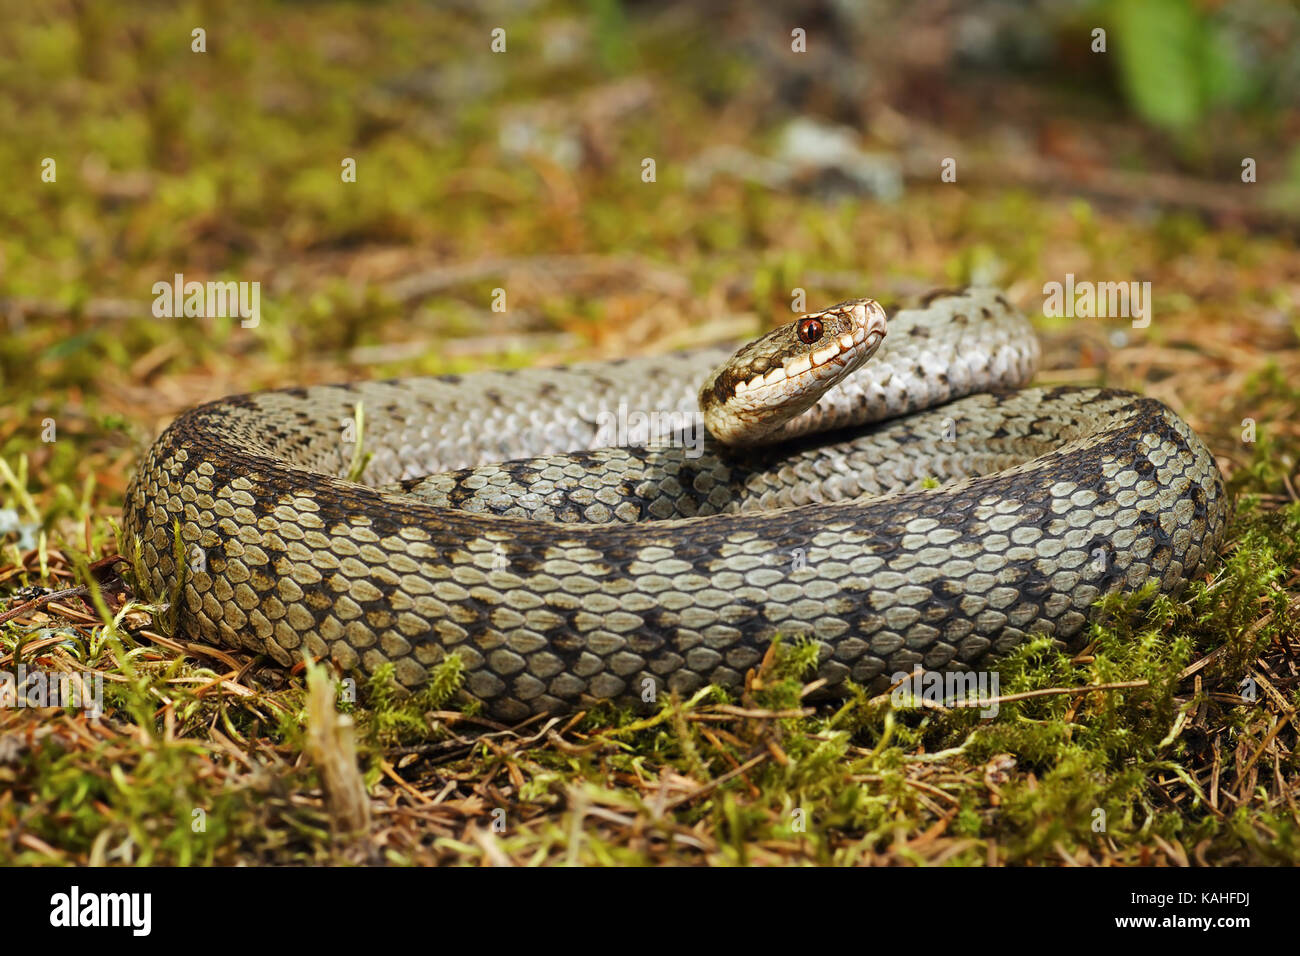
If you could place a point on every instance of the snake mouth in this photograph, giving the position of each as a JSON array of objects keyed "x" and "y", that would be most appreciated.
[
  {"x": 782, "y": 375},
  {"x": 818, "y": 368}
]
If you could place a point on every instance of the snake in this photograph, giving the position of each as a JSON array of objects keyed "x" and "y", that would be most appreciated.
[{"x": 885, "y": 484}]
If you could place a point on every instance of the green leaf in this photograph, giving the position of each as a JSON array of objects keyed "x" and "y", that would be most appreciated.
[
  {"x": 1160, "y": 48},
  {"x": 1224, "y": 78}
]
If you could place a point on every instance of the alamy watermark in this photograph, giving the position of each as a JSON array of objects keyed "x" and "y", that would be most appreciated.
[
  {"x": 1099, "y": 300},
  {"x": 40, "y": 688},
  {"x": 624, "y": 427},
  {"x": 213, "y": 300},
  {"x": 950, "y": 689},
  {"x": 133, "y": 911}
]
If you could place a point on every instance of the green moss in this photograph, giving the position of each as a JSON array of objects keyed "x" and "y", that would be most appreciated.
[{"x": 393, "y": 715}]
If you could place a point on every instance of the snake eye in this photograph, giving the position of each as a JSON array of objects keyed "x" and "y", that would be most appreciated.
[{"x": 810, "y": 330}]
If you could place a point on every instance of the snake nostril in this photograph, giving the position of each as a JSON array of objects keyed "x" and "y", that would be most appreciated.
[{"x": 810, "y": 330}]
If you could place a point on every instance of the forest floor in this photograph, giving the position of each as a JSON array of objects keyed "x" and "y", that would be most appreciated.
[{"x": 1171, "y": 739}]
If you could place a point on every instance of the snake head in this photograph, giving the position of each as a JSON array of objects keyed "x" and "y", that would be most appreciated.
[{"x": 783, "y": 373}]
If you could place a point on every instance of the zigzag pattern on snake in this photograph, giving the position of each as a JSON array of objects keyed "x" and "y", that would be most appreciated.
[{"x": 493, "y": 525}]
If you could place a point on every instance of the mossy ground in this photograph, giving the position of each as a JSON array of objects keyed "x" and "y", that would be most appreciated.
[{"x": 226, "y": 165}]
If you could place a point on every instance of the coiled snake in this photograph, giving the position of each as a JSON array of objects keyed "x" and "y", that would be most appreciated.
[{"x": 521, "y": 519}]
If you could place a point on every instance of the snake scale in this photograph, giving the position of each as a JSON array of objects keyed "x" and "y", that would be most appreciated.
[{"x": 923, "y": 510}]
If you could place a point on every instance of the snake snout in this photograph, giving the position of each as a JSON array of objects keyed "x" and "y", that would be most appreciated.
[{"x": 784, "y": 373}]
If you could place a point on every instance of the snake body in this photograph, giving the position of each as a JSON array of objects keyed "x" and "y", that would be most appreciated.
[{"x": 924, "y": 511}]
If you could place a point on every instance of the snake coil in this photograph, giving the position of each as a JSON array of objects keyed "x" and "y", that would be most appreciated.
[{"x": 499, "y": 522}]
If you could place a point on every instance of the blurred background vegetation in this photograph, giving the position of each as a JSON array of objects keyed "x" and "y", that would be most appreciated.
[
  {"x": 225, "y": 164},
  {"x": 770, "y": 164}
]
